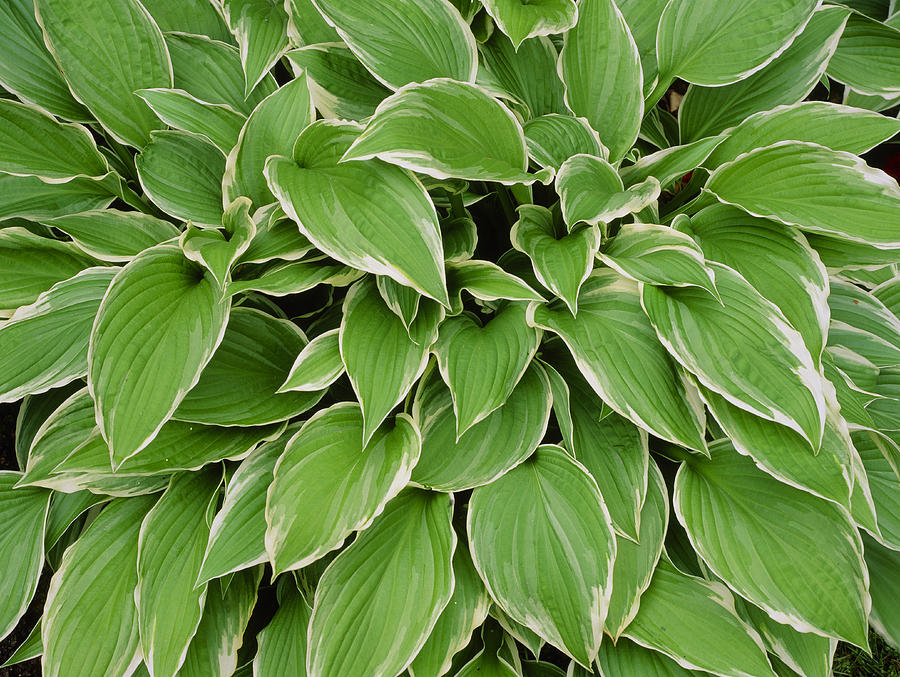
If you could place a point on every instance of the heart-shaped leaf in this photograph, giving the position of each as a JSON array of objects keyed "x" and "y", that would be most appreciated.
[
  {"x": 562, "y": 264},
  {"x": 552, "y": 139},
  {"x": 482, "y": 365},
  {"x": 525, "y": 20},
  {"x": 390, "y": 230}
]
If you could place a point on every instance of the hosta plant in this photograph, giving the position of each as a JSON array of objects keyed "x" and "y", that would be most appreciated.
[{"x": 359, "y": 338}]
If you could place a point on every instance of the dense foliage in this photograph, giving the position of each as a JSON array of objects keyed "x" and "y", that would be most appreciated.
[{"x": 357, "y": 338}]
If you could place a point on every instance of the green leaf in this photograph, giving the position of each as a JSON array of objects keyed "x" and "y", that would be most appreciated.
[
  {"x": 784, "y": 453},
  {"x": 237, "y": 534},
  {"x": 403, "y": 41},
  {"x": 31, "y": 647},
  {"x": 27, "y": 69},
  {"x": 64, "y": 510},
  {"x": 271, "y": 129},
  {"x": 157, "y": 328},
  {"x": 743, "y": 348},
  {"x": 282, "y": 643},
  {"x": 621, "y": 357},
  {"x": 326, "y": 469},
  {"x": 281, "y": 279},
  {"x": 382, "y": 360},
  {"x": 106, "y": 50},
  {"x": 31, "y": 265},
  {"x": 860, "y": 309},
  {"x": 340, "y": 85},
  {"x": 96, "y": 579},
  {"x": 787, "y": 80},
  {"x": 214, "y": 648},
  {"x": 883, "y": 565},
  {"x": 489, "y": 448},
  {"x": 776, "y": 260},
  {"x": 485, "y": 281},
  {"x": 192, "y": 16},
  {"x": 811, "y": 121},
  {"x": 560, "y": 264},
  {"x": 482, "y": 364},
  {"x": 318, "y": 365},
  {"x": 403, "y": 301},
  {"x": 113, "y": 235},
  {"x": 28, "y": 197},
  {"x": 23, "y": 515},
  {"x": 217, "y": 122},
  {"x": 306, "y": 26},
  {"x": 884, "y": 485},
  {"x": 277, "y": 237},
  {"x": 34, "y": 410},
  {"x": 813, "y": 188},
  {"x": 67, "y": 427},
  {"x": 642, "y": 17},
  {"x": 542, "y": 542},
  {"x": 466, "y": 610},
  {"x": 868, "y": 57},
  {"x": 778, "y": 539},
  {"x": 44, "y": 345},
  {"x": 260, "y": 27},
  {"x": 211, "y": 71},
  {"x": 431, "y": 128},
  {"x": 527, "y": 71},
  {"x": 658, "y": 255},
  {"x": 413, "y": 542},
  {"x": 182, "y": 174},
  {"x": 590, "y": 190},
  {"x": 240, "y": 384},
  {"x": 628, "y": 658},
  {"x": 637, "y": 559},
  {"x": 804, "y": 652},
  {"x": 600, "y": 56},
  {"x": 524, "y": 20},
  {"x": 710, "y": 43},
  {"x": 708, "y": 636},
  {"x": 889, "y": 294},
  {"x": 670, "y": 164},
  {"x": 178, "y": 446},
  {"x": 217, "y": 251},
  {"x": 389, "y": 229},
  {"x": 552, "y": 139},
  {"x": 170, "y": 550},
  {"x": 33, "y": 143}
]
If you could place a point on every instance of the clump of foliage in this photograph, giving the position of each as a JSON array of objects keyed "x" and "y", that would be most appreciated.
[{"x": 451, "y": 333}]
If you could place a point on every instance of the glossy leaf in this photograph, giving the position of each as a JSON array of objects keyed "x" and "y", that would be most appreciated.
[
  {"x": 260, "y": 27},
  {"x": 520, "y": 21},
  {"x": 282, "y": 643},
  {"x": 552, "y": 139},
  {"x": 113, "y": 235},
  {"x": 868, "y": 57},
  {"x": 218, "y": 122},
  {"x": 318, "y": 365}
]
